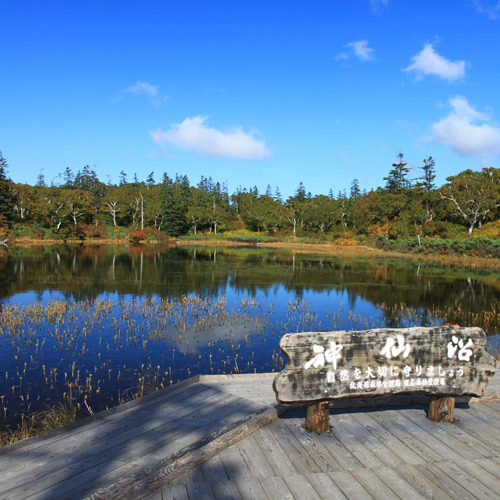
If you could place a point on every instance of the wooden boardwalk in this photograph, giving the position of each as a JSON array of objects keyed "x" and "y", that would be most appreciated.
[{"x": 220, "y": 437}]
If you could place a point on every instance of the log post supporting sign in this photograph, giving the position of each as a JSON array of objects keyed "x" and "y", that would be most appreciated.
[
  {"x": 442, "y": 362},
  {"x": 441, "y": 409},
  {"x": 317, "y": 417}
]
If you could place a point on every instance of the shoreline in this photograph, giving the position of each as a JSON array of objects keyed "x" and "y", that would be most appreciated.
[{"x": 332, "y": 249}]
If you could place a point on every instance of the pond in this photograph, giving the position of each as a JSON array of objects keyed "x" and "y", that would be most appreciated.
[{"x": 93, "y": 326}]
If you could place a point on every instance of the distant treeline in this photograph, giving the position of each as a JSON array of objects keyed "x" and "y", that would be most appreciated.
[{"x": 81, "y": 205}]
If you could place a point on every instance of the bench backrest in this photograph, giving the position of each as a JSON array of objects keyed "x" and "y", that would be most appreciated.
[{"x": 436, "y": 361}]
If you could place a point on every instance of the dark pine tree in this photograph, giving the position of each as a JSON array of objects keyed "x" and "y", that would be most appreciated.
[
  {"x": 427, "y": 180},
  {"x": 7, "y": 201},
  {"x": 174, "y": 197},
  {"x": 397, "y": 179}
]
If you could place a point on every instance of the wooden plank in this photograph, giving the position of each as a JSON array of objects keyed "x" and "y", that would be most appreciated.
[
  {"x": 462, "y": 436},
  {"x": 469, "y": 422},
  {"x": 44, "y": 480},
  {"x": 325, "y": 487},
  {"x": 162, "y": 439},
  {"x": 200, "y": 491},
  {"x": 356, "y": 447},
  {"x": 35, "y": 470},
  {"x": 377, "y": 447},
  {"x": 224, "y": 417},
  {"x": 175, "y": 482},
  {"x": 300, "y": 487},
  {"x": 276, "y": 488},
  {"x": 495, "y": 405},
  {"x": 421, "y": 483},
  {"x": 255, "y": 460},
  {"x": 488, "y": 413},
  {"x": 351, "y": 488},
  {"x": 326, "y": 451},
  {"x": 314, "y": 446},
  {"x": 406, "y": 426},
  {"x": 495, "y": 458},
  {"x": 251, "y": 489},
  {"x": 479, "y": 473},
  {"x": 171, "y": 467},
  {"x": 374, "y": 485},
  {"x": 156, "y": 495},
  {"x": 466, "y": 480},
  {"x": 445, "y": 482},
  {"x": 226, "y": 489},
  {"x": 273, "y": 452},
  {"x": 405, "y": 454},
  {"x": 81, "y": 485},
  {"x": 213, "y": 470},
  {"x": 446, "y": 434},
  {"x": 491, "y": 466},
  {"x": 302, "y": 462},
  {"x": 396, "y": 483},
  {"x": 175, "y": 493},
  {"x": 195, "y": 475},
  {"x": 234, "y": 463}
]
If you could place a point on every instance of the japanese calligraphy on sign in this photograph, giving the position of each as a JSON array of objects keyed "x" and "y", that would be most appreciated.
[{"x": 331, "y": 365}]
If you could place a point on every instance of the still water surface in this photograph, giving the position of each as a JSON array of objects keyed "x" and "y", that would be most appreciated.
[{"x": 102, "y": 324}]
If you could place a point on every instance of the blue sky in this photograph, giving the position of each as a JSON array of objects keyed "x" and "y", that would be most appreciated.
[{"x": 250, "y": 92}]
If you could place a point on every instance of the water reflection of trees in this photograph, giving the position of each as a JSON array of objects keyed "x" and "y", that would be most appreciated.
[{"x": 79, "y": 272}]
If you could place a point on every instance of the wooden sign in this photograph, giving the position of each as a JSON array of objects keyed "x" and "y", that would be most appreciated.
[{"x": 440, "y": 361}]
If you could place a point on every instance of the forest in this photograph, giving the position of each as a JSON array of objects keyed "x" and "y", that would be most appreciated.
[{"x": 82, "y": 206}]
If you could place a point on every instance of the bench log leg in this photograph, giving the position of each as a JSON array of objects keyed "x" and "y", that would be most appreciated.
[
  {"x": 441, "y": 409},
  {"x": 317, "y": 419}
]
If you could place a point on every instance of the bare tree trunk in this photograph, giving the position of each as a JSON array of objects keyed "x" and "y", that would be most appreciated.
[{"x": 142, "y": 208}]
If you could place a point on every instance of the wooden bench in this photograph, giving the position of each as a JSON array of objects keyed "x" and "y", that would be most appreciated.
[{"x": 442, "y": 362}]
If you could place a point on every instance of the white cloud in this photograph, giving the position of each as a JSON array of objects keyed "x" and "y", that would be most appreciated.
[
  {"x": 488, "y": 7},
  {"x": 375, "y": 4},
  {"x": 464, "y": 130},
  {"x": 194, "y": 135},
  {"x": 359, "y": 49},
  {"x": 429, "y": 62},
  {"x": 144, "y": 88}
]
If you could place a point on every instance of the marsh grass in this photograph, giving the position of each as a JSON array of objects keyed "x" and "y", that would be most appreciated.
[{"x": 57, "y": 415}]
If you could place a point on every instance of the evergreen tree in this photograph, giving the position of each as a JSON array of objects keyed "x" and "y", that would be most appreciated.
[
  {"x": 427, "y": 184},
  {"x": 123, "y": 178},
  {"x": 68, "y": 178},
  {"x": 429, "y": 174},
  {"x": 7, "y": 201},
  {"x": 175, "y": 195},
  {"x": 150, "y": 181},
  {"x": 397, "y": 179},
  {"x": 355, "y": 191},
  {"x": 40, "y": 180},
  {"x": 83, "y": 179},
  {"x": 300, "y": 193}
]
